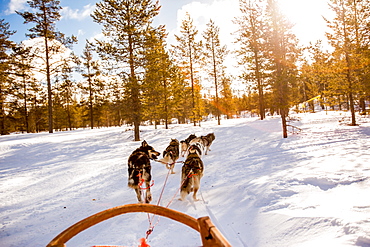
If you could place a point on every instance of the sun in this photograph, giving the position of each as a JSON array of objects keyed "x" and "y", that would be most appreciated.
[{"x": 307, "y": 17}]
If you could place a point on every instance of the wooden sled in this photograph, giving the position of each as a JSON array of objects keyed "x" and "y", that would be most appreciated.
[{"x": 209, "y": 233}]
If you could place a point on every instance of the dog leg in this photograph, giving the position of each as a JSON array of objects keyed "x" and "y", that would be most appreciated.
[
  {"x": 139, "y": 195},
  {"x": 172, "y": 166},
  {"x": 148, "y": 194},
  {"x": 196, "y": 186},
  {"x": 183, "y": 195}
]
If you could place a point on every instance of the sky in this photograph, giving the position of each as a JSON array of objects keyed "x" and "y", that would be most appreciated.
[
  {"x": 76, "y": 20},
  {"x": 306, "y": 15}
]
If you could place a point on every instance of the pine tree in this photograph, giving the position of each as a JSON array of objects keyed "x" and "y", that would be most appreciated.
[
  {"x": 125, "y": 23},
  {"x": 227, "y": 104},
  {"x": 188, "y": 55},
  {"x": 282, "y": 53},
  {"x": 214, "y": 57},
  {"x": 316, "y": 73},
  {"x": 46, "y": 15},
  {"x": 349, "y": 37},
  {"x": 161, "y": 82},
  {"x": 180, "y": 94},
  {"x": 116, "y": 98},
  {"x": 5, "y": 45},
  {"x": 23, "y": 80},
  {"x": 252, "y": 50},
  {"x": 90, "y": 70},
  {"x": 66, "y": 93},
  {"x": 156, "y": 79}
]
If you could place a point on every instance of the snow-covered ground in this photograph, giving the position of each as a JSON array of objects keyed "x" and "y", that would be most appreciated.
[{"x": 311, "y": 189}]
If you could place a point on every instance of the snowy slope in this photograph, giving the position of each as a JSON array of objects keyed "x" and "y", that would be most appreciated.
[{"x": 311, "y": 189}]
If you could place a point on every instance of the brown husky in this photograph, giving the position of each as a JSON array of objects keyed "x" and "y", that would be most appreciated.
[
  {"x": 192, "y": 172},
  {"x": 171, "y": 155}
]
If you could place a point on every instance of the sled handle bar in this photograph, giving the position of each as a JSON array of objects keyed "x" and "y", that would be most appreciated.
[{"x": 210, "y": 235}]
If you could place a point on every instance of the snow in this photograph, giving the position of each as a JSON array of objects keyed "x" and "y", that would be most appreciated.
[{"x": 311, "y": 189}]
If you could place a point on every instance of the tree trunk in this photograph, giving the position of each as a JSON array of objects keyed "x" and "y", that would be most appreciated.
[
  {"x": 91, "y": 113},
  {"x": 216, "y": 84},
  {"x": 284, "y": 124},
  {"x": 25, "y": 102},
  {"x": 48, "y": 79},
  {"x": 2, "y": 113},
  {"x": 192, "y": 86},
  {"x": 260, "y": 87},
  {"x": 165, "y": 103},
  {"x": 135, "y": 92}
]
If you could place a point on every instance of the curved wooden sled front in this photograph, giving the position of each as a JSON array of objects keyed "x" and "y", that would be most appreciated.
[{"x": 210, "y": 235}]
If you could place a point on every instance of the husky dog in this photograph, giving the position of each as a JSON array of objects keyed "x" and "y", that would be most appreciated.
[
  {"x": 171, "y": 155},
  {"x": 139, "y": 170},
  {"x": 185, "y": 144},
  {"x": 184, "y": 148},
  {"x": 207, "y": 141},
  {"x": 204, "y": 141},
  {"x": 192, "y": 172}
]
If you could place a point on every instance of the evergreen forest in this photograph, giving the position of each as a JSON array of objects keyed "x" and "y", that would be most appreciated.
[{"x": 132, "y": 76}]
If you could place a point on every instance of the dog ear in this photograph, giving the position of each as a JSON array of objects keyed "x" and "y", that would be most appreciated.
[{"x": 144, "y": 144}]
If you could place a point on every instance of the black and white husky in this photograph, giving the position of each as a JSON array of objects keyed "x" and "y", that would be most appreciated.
[
  {"x": 171, "y": 155},
  {"x": 192, "y": 172},
  {"x": 139, "y": 168},
  {"x": 204, "y": 142}
]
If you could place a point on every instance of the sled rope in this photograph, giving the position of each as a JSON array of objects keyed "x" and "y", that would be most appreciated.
[
  {"x": 151, "y": 226},
  {"x": 190, "y": 175},
  {"x": 142, "y": 182},
  {"x": 182, "y": 183},
  {"x": 169, "y": 163}
]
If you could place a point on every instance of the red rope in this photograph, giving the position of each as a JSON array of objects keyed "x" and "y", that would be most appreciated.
[
  {"x": 142, "y": 182},
  {"x": 164, "y": 185},
  {"x": 148, "y": 186},
  {"x": 183, "y": 181},
  {"x": 151, "y": 226}
]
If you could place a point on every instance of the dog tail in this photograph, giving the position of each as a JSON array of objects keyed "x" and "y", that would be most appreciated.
[
  {"x": 187, "y": 182},
  {"x": 187, "y": 185}
]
